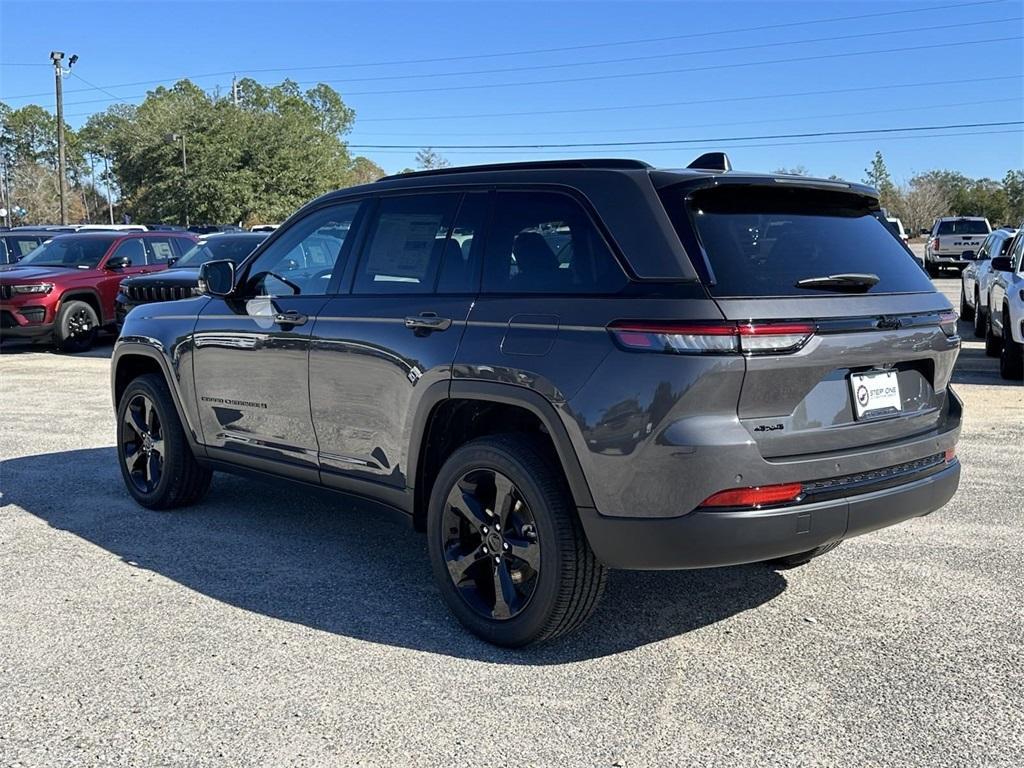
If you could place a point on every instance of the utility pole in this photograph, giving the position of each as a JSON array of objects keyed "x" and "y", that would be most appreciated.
[
  {"x": 6, "y": 187},
  {"x": 58, "y": 72},
  {"x": 234, "y": 90},
  {"x": 172, "y": 138},
  {"x": 110, "y": 200}
]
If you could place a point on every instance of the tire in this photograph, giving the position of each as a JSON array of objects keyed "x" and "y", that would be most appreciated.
[
  {"x": 802, "y": 558},
  {"x": 993, "y": 343},
  {"x": 76, "y": 327},
  {"x": 161, "y": 472},
  {"x": 931, "y": 269},
  {"x": 1011, "y": 359},
  {"x": 552, "y": 588},
  {"x": 979, "y": 317},
  {"x": 966, "y": 310}
]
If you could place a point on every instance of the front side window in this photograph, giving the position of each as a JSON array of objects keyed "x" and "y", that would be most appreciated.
[
  {"x": 134, "y": 250},
  {"x": 406, "y": 242},
  {"x": 303, "y": 258},
  {"x": 544, "y": 242}
]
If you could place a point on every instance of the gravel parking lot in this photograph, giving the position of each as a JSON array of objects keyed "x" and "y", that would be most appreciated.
[{"x": 267, "y": 627}]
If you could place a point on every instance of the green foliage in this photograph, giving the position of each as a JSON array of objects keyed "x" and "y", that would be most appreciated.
[
  {"x": 877, "y": 175},
  {"x": 257, "y": 161},
  {"x": 1013, "y": 186}
]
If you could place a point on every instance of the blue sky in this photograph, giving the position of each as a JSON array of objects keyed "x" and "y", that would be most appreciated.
[{"x": 703, "y": 76}]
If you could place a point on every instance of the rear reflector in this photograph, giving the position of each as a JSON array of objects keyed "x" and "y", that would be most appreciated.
[
  {"x": 711, "y": 338},
  {"x": 758, "y": 496}
]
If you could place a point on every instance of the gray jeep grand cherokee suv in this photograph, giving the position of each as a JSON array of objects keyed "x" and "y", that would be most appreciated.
[{"x": 556, "y": 368}]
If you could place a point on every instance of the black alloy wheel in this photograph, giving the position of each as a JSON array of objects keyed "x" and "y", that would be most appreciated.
[
  {"x": 142, "y": 442},
  {"x": 490, "y": 544}
]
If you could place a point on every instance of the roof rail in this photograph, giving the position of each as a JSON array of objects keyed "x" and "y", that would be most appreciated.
[
  {"x": 711, "y": 161},
  {"x": 609, "y": 163}
]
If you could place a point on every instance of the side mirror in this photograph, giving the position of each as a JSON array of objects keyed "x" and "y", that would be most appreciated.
[
  {"x": 118, "y": 262},
  {"x": 217, "y": 278},
  {"x": 1001, "y": 264}
]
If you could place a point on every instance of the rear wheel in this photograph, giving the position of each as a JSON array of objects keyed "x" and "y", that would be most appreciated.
[
  {"x": 1011, "y": 359},
  {"x": 993, "y": 344},
  {"x": 508, "y": 553},
  {"x": 156, "y": 461},
  {"x": 979, "y": 317},
  {"x": 802, "y": 558},
  {"x": 77, "y": 326},
  {"x": 966, "y": 310}
]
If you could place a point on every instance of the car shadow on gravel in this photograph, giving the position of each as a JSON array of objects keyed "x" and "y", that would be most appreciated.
[
  {"x": 102, "y": 349},
  {"x": 342, "y": 566}
]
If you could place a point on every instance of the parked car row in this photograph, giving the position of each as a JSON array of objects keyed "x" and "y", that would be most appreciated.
[{"x": 992, "y": 297}]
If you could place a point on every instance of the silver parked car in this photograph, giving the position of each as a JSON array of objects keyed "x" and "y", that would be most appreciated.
[{"x": 976, "y": 279}]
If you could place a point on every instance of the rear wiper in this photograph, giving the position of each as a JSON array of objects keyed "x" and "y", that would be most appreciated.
[{"x": 846, "y": 281}]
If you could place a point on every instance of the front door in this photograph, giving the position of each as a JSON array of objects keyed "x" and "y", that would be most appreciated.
[
  {"x": 252, "y": 348},
  {"x": 377, "y": 349}
]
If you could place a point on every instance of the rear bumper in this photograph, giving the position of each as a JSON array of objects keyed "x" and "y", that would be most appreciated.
[{"x": 705, "y": 539}]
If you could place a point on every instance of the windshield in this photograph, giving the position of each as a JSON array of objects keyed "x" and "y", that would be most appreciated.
[
  {"x": 215, "y": 249},
  {"x": 964, "y": 227},
  {"x": 762, "y": 241},
  {"x": 71, "y": 252}
]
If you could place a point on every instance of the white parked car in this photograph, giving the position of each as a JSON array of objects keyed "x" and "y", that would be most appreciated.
[
  {"x": 976, "y": 279},
  {"x": 954, "y": 240},
  {"x": 898, "y": 226},
  {"x": 1004, "y": 332}
]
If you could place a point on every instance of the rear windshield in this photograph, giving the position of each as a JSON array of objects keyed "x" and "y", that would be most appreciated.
[
  {"x": 964, "y": 227},
  {"x": 760, "y": 241}
]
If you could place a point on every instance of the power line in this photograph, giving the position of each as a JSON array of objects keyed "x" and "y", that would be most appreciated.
[
  {"x": 93, "y": 85},
  {"x": 888, "y": 138},
  {"x": 716, "y": 139},
  {"x": 791, "y": 119},
  {"x": 624, "y": 75},
  {"x": 561, "y": 49},
  {"x": 688, "y": 102}
]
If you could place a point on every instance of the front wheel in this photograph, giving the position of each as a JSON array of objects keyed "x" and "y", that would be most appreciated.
[
  {"x": 1011, "y": 359},
  {"x": 993, "y": 344},
  {"x": 156, "y": 460},
  {"x": 966, "y": 310},
  {"x": 507, "y": 549},
  {"x": 77, "y": 326}
]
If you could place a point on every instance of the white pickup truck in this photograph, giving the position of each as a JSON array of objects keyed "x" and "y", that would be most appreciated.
[{"x": 954, "y": 241}]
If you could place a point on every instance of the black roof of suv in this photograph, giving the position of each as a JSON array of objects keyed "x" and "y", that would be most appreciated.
[{"x": 555, "y": 368}]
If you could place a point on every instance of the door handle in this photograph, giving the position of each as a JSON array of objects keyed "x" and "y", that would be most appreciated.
[
  {"x": 291, "y": 317},
  {"x": 425, "y": 322}
]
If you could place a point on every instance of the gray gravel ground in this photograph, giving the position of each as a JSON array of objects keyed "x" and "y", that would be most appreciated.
[{"x": 267, "y": 627}]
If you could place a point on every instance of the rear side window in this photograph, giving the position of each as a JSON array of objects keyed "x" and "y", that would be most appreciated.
[
  {"x": 544, "y": 242},
  {"x": 407, "y": 240},
  {"x": 160, "y": 251},
  {"x": 963, "y": 227},
  {"x": 760, "y": 241}
]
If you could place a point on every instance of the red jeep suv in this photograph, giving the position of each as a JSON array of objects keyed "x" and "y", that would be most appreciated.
[{"x": 65, "y": 289}]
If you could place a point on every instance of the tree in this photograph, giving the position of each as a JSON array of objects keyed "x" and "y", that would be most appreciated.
[
  {"x": 920, "y": 202},
  {"x": 796, "y": 170},
  {"x": 877, "y": 175},
  {"x": 427, "y": 159},
  {"x": 364, "y": 170},
  {"x": 1013, "y": 186}
]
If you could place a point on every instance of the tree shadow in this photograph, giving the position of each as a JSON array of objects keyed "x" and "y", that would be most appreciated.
[{"x": 340, "y": 566}]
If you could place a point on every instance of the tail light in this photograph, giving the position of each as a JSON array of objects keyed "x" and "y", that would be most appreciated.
[
  {"x": 935, "y": 244},
  {"x": 947, "y": 322},
  {"x": 755, "y": 497},
  {"x": 950, "y": 454},
  {"x": 716, "y": 338}
]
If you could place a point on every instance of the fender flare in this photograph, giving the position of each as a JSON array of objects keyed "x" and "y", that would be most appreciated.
[
  {"x": 507, "y": 394},
  {"x": 144, "y": 346},
  {"x": 73, "y": 294}
]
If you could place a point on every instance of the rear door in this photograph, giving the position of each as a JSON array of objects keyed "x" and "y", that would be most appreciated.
[
  {"x": 378, "y": 346},
  {"x": 876, "y": 353}
]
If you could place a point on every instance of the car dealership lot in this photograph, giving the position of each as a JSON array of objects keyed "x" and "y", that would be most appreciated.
[{"x": 270, "y": 627}]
